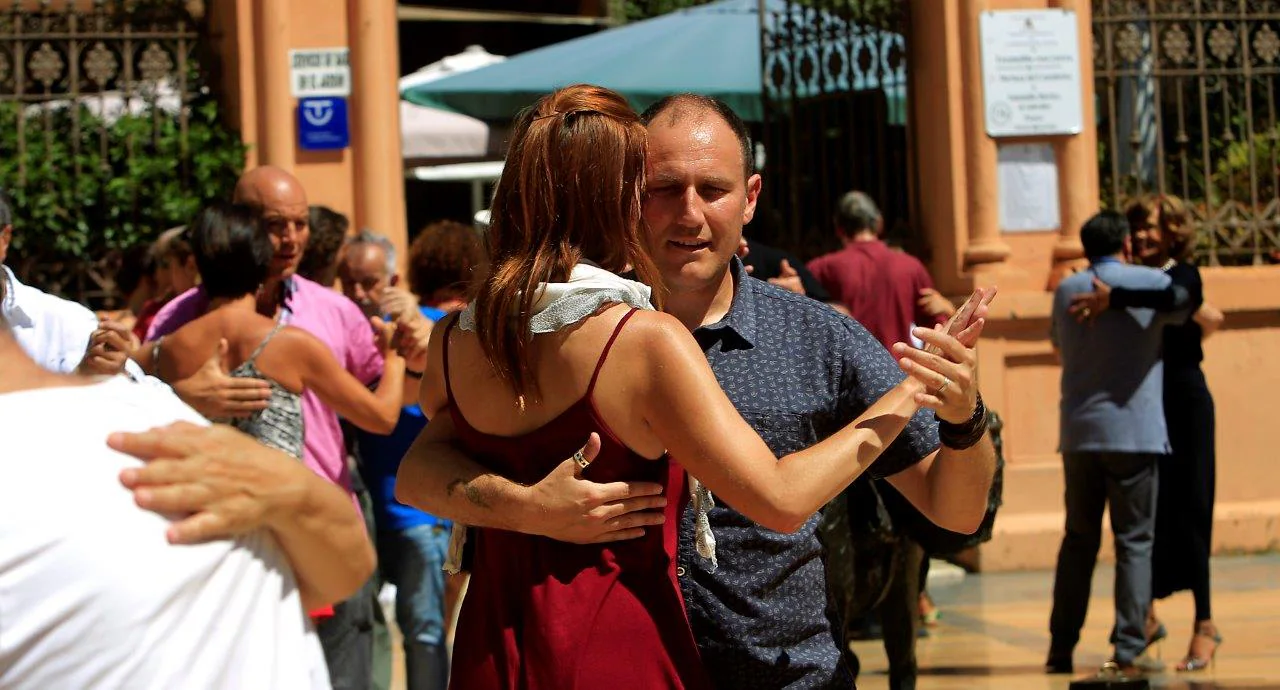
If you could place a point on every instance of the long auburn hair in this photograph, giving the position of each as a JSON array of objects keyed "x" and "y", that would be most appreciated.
[{"x": 571, "y": 190}]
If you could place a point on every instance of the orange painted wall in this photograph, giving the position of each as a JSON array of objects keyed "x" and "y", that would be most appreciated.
[
  {"x": 958, "y": 198},
  {"x": 253, "y": 39}
]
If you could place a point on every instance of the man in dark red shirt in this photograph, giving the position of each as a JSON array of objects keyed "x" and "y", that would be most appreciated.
[{"x": 885, "y": 289}]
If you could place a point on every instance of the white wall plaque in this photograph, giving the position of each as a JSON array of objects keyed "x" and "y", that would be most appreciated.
[
  {"x": 1028, "y": 175},
  {"x": 319, "y": 72},
  {"x": 1031, "y": 72}
]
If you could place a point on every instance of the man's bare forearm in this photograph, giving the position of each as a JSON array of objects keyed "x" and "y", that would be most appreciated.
[
  {"x": 959, "y": 484},
  {"x": 323, "y": 537},
  {"x": 439, "y": 479}
]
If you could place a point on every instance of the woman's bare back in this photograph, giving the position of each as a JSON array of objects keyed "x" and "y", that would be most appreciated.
[
  {"x": 190, "y": 347},
  {"x": 563, "y": 363}
]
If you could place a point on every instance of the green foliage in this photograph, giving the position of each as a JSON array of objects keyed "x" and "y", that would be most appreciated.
[
  {"x": 1238, "y": 157},
  {"x": 105, "y": 187}
]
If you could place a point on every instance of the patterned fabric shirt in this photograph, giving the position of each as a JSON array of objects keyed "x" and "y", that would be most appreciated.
[{"x": 798, "y": 372}]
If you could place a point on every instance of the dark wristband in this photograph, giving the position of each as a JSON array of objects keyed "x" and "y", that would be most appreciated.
[{"x": 966, "y": 434}]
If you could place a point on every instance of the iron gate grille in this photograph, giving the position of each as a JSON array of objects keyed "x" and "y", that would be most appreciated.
[
  {"x": 69, "y": 72},
  {"x": 1187, "y": 106},
  {"x": 835, "y": 116}
]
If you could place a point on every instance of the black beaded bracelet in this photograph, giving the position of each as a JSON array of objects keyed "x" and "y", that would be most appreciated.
[{"x": 966, "y": 434}]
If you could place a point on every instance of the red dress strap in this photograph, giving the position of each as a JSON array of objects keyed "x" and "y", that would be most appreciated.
[
  {"x": 448, "y": 387},
  {"x": 605, "y": 353}
]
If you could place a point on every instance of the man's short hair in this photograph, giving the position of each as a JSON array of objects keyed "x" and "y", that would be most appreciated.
[
  {"x": 6, "y": 209},
  {"x": 681, "y": 105},
  {"x": 856, "y": 212},
  {"x": 328, "y": 232},
  {"x": 1104, "y": 234},
  {"x": 367, "y": 237}
]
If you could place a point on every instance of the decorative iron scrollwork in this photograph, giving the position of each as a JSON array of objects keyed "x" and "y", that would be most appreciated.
[
  {"x": 1176, "y": 44},
  {"x": 1266, "y": 44},
  {"x": 1222, "y": 42},
  {"x": 100, "y": 64},
  {"x": 1201, "y": 121},
  {"x": 46, "y": 65},
  {"x": 1129, "y": 43},
  {"x": 155, "y": 63}
]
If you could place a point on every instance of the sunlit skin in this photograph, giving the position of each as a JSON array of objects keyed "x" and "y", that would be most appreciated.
[
  {"x": 363, "y": 272},
  {"x": 285, "y": 215},
  {"x": 697, "y": 201},
  {"x": 1150, "y": 246},
  {"x": 6, "y": 236}
]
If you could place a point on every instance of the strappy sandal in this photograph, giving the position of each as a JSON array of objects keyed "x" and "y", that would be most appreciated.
[{"x": 1191, "y": 663}]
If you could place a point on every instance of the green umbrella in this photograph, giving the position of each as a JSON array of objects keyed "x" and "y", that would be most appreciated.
[{"x": 711, "y": 49}]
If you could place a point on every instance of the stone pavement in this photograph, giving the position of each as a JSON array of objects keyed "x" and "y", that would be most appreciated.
[{"x": 994, "y": 632}]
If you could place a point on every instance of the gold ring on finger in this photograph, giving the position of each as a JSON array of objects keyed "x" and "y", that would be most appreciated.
[{"x": 946, "y": 383}]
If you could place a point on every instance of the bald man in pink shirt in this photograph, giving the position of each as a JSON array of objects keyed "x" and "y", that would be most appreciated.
[
  {"x": 298, "y": 302},
  {"x": 346, "y": 633}
]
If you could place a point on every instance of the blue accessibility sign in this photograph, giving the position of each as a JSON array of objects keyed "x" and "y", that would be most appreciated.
[{"x": 323, "y": 124}]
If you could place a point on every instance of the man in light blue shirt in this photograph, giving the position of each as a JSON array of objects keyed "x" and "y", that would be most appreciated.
[{"x": 1112, "y": 436}]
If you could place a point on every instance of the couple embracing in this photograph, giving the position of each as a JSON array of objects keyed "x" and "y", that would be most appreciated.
[{"x": 680, "y": 549}]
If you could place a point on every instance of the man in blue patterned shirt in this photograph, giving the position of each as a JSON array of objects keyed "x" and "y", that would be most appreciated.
[{"x": 796, "y": 370}]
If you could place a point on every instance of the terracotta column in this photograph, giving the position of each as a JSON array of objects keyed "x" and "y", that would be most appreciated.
[
  {"x": 1077, "y": 155},
  {"x": 986, "y": 249},
  {"x": 375, "y": 124},
  {"x": 276, "y": 133},
  {"x": 937, "y": 129}
]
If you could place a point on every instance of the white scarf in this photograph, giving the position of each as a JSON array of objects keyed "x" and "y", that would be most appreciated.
[{"x": 563, "y": 304}]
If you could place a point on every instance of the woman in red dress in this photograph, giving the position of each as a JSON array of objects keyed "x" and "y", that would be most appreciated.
[{"x": 557, "y": 346}]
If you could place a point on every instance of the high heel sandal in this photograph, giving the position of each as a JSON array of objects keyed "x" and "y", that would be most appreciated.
[
  {"x": 1144, "y": 661},
  {"x": 1156, "y": 636},
  {"x": 1192, "y": 664}
]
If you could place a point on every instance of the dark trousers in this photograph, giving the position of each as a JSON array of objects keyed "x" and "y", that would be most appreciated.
[
  {"x": 356, "y": 642},
  {"x": 347, "y": 639},
  {"x": 900, "y": 614},
  {"x": 1126, "y": 482}
]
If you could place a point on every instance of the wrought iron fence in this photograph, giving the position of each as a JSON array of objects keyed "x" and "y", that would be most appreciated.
[
  {"x": 835, "y": 90},
  {"x": 1187, "y": 101},
  {"x": 96, "y": 104}
]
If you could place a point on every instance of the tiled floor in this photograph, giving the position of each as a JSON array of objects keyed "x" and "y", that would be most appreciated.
[{"x": 994, "y": 632}]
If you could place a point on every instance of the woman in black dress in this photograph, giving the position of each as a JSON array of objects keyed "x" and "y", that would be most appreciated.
[{"x": 1163, "y": 239}]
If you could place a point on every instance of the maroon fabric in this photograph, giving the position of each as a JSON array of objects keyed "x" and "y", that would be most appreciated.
[
  {"x": 546, "y": 615},
  {"x": 880, "y": 286},
  {"x": 148, "y": 314}
]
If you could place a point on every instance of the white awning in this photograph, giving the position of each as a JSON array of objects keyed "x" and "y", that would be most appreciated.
[
  {"x": 433, "y": 133},
  {"x": 485, "y": 171}
]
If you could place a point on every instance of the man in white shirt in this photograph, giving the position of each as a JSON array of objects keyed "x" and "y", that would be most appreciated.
[
  {"x": 65, "y": 337},
  {"x": 95, "y": 590},
  {"x": 60, "y": 335}
]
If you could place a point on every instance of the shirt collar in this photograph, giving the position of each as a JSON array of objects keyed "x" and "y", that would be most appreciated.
[
  {"x": 737, "y": 330},
  {"x": 1104, "y": 260},
  {"x": 13, "y": 311},
  {"x": 288, "y": 288}
]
